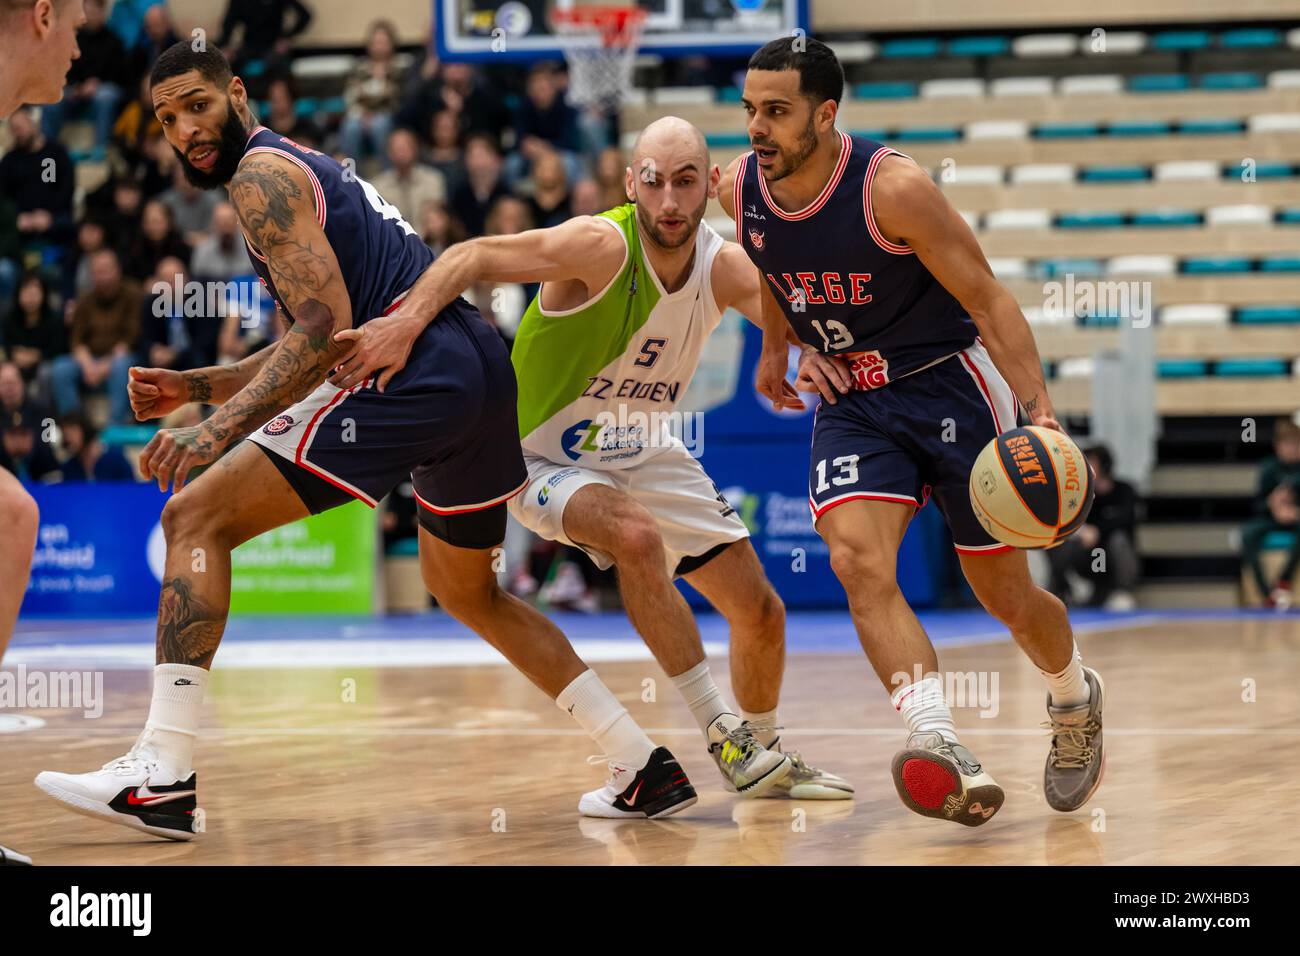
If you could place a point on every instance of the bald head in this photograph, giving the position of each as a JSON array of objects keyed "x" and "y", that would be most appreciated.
[
  {"x": 670, "y": 135},
  {"x": 670, "y": 181}
]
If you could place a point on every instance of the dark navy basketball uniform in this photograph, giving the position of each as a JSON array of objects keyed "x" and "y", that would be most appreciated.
[
  {"x": 447, "y": 419},
  {"x": 926, "y": 397}
]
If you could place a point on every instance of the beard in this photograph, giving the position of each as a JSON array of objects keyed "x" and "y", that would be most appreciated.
[
  {"x": 230, "y": 150},
  {"x": 790, "y": 161},
  {"x": 688, "y": 234}
]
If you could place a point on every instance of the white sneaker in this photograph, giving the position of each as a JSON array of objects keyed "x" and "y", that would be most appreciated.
[
  {"x": 10, "y": 857},
  {"x": 135, "y": 791}
]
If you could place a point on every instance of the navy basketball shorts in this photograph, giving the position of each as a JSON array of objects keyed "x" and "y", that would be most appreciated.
[
  {"x": 447, "y": 420},
  {"x": 919, "y": 435}
]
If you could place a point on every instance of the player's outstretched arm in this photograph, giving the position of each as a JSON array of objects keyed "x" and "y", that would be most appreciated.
[
  {"x": 581, "y": 248},
  {"x": 156, "y": 392},
  {"x": 910, "y": 209},
  {"x": 276, "y": 205}
]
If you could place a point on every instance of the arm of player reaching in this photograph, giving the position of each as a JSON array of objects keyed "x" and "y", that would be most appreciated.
[
  {"x": 909, "y": 208},
  {"x": 577, "y": 249},
  {"x": 155, "y": 392},
  {"x": 276, "y": 205}
]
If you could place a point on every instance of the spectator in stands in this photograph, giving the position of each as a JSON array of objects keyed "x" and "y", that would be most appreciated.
[
  {"x": 13, "y": 394},
  {"x": 85, "y": 456},
  {"x": 157, "y": 34},
  {"x": 544, "y": 122},
  {"x": 263, "y": 33},
  {"x": 93, "y": 80},
  {"x": 91, "y": 237},
  {"x": 409, "y": 183},
  {"x": 481, "y": 108},
  {"x": 1276, "y": 509},
  {"x": 174, "y": 337},
  {"x": 191, "y": 207},
  {"x": 136, "y": 134},
  {"x": 10, "y": 248},
  {"x": 482, "y": 186},
  {"x": 158, "y": 240},
  {"x": 504, "y": 303},
  {"x": 585, "y": 200},
  {"x": 1112, "y": 527},
  {"x": 283, "y": 117},
  {"x": 21, "y": 452},
  {"x": 34, "y": 332},
  {"x": 105, "y": 326},
  {"x": 447, "y": 155},
  {"x": 399, "y": 516},
  {"x": 610, "y": 167},
  {"x": 37, "y": 176},
  {"x": 549, "y": 201},
  {"x": 437, "y": 228},
  {"x": 372, "y": 95},
  {"x": 223, "y": 255}
]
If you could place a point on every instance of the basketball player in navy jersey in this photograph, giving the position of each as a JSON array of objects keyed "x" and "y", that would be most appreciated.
[
  {"x": 921, "y": 357},
  {"x": 38, "y": 42},
  {"x": 333, "y": 255}
]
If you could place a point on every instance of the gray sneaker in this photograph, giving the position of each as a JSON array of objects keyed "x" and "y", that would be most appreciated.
[
  {"x": 745, "y": 763},
  {"x": 806, "y": 782},
  {"x": 1076, "y": 761},
  {"x": 943, "y": 780}
]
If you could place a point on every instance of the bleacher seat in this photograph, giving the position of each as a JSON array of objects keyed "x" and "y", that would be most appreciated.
[
  {"x": 1159, "y": 83},
  {"x": 926, "y": 134},
  {"x": 1211, "y": 126},
  {"x": 1181, "y": 40},
  {"x": 330, "y": 66},
  {"x": 1018, "y": 219},
  {"x": 1080, "y": 366},
  {"x": 1293, "y": 38},
  {"x": 1287, "y": 262},
  {"x": 1244, "y": 214},
  {"x": 1114, "y": 174},
  {"x": 1252, "y": 367},
  {"x": 1239, "y": 80},
  {"x": 1186, "y": 170},
  {"x": 1181, "y": 368},
  {"x": 1143, "y": 265},
  {"x": 1250, "y": 38},
  {"x": 1097, "y": 84},
  {"x": 1165, "y": 218},
  {"x": 1268, "y": 314},
  {"x": 1284, "y": 80},
  {"x": 1270, "y": 170},
  {"x": 1090, "y": 219},
  {"x": 683, "y": 96},
  {"x": 1054, "y": 268},
  {"x": 979, "y": 46},
  {"x": 997, "y": 129},
  {"x": 1009, "y": 267},
  {"x": 972, "y": 219},
  {"x": 1215, "y": 265},
  {"x": 854, "y": 51},
  {"x": 1118, "y": 42},
  {"x": 1290, "y": 217},
  {"x": 1021, "y": 86},
  {"x": 885, "y": 90},
  {"x": 1274, "y": 123},
  {"x": 1042, "y": 173},
  {"x": 1068, "y": 130},
  {"x": 1139, "y": 127},
  {"x": 966, "y": 174},
  {"x": 1198, "y": 313},
  {"x": 938, "y": 89},
  {"x": 910, "y": 48},
  {"x": 1040, "y": 45}
]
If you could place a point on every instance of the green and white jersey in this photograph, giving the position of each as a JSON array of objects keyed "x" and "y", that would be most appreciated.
[{"x": 598, "y": 383}]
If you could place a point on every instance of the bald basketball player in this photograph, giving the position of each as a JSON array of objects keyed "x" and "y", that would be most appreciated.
[
  {"x": 628, "y": 299},
  {"x": 38, "y": 42}
]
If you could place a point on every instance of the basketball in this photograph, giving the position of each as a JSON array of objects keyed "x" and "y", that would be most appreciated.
[{"x": 1031, "y": 487}]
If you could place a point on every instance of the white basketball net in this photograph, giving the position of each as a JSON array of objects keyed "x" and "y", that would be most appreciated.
[{"x": 600, "y": 47}]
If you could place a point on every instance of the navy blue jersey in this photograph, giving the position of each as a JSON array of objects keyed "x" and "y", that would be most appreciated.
[
  {"x": 379, "y": 253},
  {"x": 843, "y": 286}
]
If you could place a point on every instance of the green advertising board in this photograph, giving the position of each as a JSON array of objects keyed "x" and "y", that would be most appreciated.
[{"x": 324, "y": 564}]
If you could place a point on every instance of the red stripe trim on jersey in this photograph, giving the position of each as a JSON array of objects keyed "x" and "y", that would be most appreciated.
[
  {"x": 304, "y": 445},
  {"x": 845, "y": 150},
  {"x": 466, "y": 509},
  {"x": 984, "y": 389},
  {"x": 737, "y": 191},
  {"x": 317, "y": 190},
  {"x": 256, "y": 130},
  {"x": 984, "y": 549},
  {"x": 877, "y": 236}
]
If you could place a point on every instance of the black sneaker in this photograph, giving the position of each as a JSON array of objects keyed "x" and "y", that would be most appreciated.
[
  {"x": 658, "y": 789},
  {"x": 943, "y": 780}
]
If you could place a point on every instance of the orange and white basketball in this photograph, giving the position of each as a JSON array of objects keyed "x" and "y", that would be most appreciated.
[{"x": 1031, "y": 487}]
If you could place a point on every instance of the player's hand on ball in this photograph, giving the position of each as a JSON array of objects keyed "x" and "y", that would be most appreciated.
[
  {"x": 770, "y": 381},
  {"x": 381, "y": 345},
  {"x": 155, "y": 392},
  {"x": 826, "y": 374},
  {"x": 173, "y": 452}
]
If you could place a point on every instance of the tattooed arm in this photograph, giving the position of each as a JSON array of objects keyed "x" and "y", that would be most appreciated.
[{"x": 277, "y": 208}]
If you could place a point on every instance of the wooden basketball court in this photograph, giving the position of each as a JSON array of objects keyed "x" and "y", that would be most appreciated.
[{"x": 471, "y": 764}]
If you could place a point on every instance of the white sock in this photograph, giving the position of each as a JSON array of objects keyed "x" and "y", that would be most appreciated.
[
  {"x": 608, "y": 723},
  {"x": 765, "y": 725},
  {"x": 1068, "y": 688},
  {"x": 924, "y": 708},
  {"x": 174, "y": 714},
  {"x": 705, "y": 700}
]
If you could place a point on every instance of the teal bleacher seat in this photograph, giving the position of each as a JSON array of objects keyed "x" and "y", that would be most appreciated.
[
  {"x": 1180, "y": 40},
  {"x": 927, "y": 134},
  {"x": 253, "y": 68},
  {"x": 1251, "y": 367},
  {"x": 1165, "y": 218},
  {"x": 979, "y": 46},
  {"x": 1278, "y": 540},
  {"x": 1250, "y": 38},
  {"x": 403, "y": 548},
  {"x": 879, "y": 135},
  {"x": 1139, "y": 127},
  {"x": 1114, "y": 174},
  {"x": 885, "y": 90},
  {"x": 119, "y": 436},
  {"x": 1159, "y": 83},
  {"x": 1100, "y": 320},
  {"x": 910, "y": 48},
  {"x": 728, "y": 94},
  {"x": 1065, "y": 130},
  {"x": 1268, "y": 314},
  {"x": 306, "y": 106},
  {"x": 1271, "y": 170},
  {"x": 1211, "y": 126},
  {"x": 1215, "y": 265},
  {"x": 1056, "y": 267},
  {"x": 1289, "y": 217},
  {"x": 1286, "y": 262},
  {"x": 1231, "y": 81},
  {"x": 726, "y": 140},
  {"x": 1181, "y": 368},
  {"x": 333, "y": 104},
  {"x": 1090, "y": 219}
]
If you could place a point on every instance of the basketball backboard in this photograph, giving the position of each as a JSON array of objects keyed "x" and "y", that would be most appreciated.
[{"x": 486, "y": 30}]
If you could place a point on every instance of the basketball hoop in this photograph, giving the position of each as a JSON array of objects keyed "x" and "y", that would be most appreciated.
[{"x": 600, "y": 47}]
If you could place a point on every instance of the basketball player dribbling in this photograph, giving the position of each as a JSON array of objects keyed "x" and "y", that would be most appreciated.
[
  {"x": 921, "y": 357},
  {"x": 38, "y": 42},
  {"x": 333, "y": 254},
  {"x": 628, "y": 299}
]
